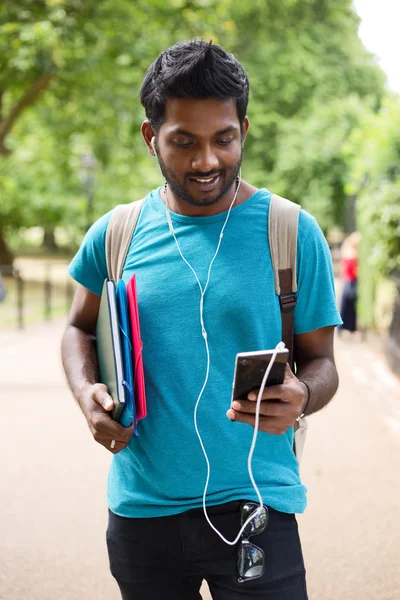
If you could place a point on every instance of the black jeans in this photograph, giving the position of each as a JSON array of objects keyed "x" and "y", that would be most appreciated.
[{"x": 166, "y": 558}]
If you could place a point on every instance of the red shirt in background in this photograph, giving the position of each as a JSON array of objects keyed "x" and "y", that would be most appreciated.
[{"x": 349, "y": 268}]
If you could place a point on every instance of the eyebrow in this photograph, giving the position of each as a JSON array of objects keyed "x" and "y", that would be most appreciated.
[{"x": 231, "y": 128}]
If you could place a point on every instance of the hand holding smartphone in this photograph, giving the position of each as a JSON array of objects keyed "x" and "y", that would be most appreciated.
[{"x": 250, "y": 369}]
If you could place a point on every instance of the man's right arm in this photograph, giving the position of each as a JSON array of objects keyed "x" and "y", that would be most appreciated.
[{"x": 78, "y": 351}]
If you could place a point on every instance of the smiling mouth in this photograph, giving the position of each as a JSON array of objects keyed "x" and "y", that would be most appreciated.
[{"x": 205, "y": 183}]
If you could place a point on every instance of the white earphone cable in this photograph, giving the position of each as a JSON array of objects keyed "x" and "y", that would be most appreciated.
[{"x": 259, "y": 399}]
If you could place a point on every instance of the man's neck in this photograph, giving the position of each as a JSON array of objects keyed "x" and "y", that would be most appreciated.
[{"x": 177, "y": 205}]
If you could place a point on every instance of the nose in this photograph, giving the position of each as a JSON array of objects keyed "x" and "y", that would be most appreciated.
[{"x": 205, "y": 160}]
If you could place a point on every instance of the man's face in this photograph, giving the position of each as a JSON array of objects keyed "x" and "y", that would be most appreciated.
[{"x": 199, "y": 148}]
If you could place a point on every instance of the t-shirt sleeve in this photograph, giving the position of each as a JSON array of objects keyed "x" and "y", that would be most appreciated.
[
  {"x": 316, "y": 299},
  {"x": 89, "y": 266}
]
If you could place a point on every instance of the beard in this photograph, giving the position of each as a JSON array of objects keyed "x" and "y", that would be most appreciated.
[{"x": 178, "y": 186}]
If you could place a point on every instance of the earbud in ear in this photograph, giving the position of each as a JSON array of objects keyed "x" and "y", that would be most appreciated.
[{"x": 153, "y": 144}]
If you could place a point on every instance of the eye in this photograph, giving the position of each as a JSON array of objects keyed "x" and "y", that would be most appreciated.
[
  {"x": 183, "y": 145},
  {"x": 225, "y": 142}
]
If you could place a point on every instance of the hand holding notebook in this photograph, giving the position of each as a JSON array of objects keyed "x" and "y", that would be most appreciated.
[{"x": 119, "y": 350}]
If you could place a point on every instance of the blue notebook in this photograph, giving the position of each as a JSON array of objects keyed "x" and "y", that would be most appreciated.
[
  {"x": 109, "y": 350},
  {"x": 128, "y": 415}
]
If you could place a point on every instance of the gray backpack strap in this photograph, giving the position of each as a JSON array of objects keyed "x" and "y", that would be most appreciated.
[
  {"x": 118, "y": 236},
  {"x": 283, "y": 221}
]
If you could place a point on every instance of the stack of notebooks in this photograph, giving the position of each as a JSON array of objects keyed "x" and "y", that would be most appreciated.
[{"x": 119, "y": 351}]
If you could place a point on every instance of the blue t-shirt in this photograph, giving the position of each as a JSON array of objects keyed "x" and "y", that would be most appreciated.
[{"x": 162, "y": 472}]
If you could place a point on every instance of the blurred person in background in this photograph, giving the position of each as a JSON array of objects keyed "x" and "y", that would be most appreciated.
[
  {"x": 2, "y": 289},
  {"x": 348, "y": 267},
  {"x": 160, "y": 544}
]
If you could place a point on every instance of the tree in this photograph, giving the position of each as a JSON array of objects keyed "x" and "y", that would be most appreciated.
[
  {"x": 311, "y": 165},
  {"x": 77, "y": 65},
  {"x": 70, "y": 72},
  {"x": 374, "y": 154},
  {"x": 310, "y": 74}
]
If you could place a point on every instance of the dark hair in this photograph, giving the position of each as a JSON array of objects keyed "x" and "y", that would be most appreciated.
[{"x": 193, "y": 69}]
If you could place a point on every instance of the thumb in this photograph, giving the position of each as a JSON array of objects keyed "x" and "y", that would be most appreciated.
[
  {"x": 102, "y": 397},
  {"x": 289, "y": 373}
]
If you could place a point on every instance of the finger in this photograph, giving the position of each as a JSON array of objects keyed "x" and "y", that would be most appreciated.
[
  {"x": 269, "y": 424},
  {"x": 101, "y": 396},
  {"x": 271, "y": 392},
  {"x": 267, "y": 409},
  {"x": 288, "y": 372},
  {"x": 247, "y": 407},
  {"x": 114, "y": 448},
  {"x": 234, "y": 415},
  {"x": 273, "y": 425},
  {"x": 105, "y": 421},
  {"x": 105, "y": 429}
]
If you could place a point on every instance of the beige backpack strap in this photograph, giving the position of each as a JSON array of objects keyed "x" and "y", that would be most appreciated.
[
  {"x": 283, "y": 224},
  {"x": 283, "y": 221},
  {"x": 119, "y": 233}
]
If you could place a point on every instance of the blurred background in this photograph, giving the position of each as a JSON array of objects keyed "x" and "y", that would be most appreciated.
[{"x": 325, "y": 132}]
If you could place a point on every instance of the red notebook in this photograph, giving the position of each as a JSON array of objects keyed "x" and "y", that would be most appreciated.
[{"x": 138, "y": 376}]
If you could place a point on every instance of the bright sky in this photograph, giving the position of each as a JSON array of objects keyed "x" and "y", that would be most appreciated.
[{"x": 379, "y": 31}]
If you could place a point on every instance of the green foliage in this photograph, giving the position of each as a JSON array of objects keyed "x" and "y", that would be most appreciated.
[
  {"x": 374, "y": 151},
  {"x": 38, "y": 184},
  {"x": 373, "y": 155},
  {"x": 70, "y": 73},
  {"x": 311, "y": 168},
  {"x": 301, "y": 57}
]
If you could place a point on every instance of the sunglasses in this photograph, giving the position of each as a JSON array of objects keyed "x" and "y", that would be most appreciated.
[{"x": 251, "y": 558}]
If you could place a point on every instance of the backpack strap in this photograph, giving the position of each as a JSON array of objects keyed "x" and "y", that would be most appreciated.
[
  {"x": 119, "y": 233},
  {"x": 283, "y": 221}
]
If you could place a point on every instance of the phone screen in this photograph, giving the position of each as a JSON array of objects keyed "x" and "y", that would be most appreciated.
[{"x": 250, "y": 370}]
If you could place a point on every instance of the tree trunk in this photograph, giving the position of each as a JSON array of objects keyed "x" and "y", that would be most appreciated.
[
  {"x": 6, "y": 256},
  {"x": 49, "y": 240}
]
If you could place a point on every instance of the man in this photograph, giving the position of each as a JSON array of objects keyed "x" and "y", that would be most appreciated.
[{"x": 200, "y": 249}]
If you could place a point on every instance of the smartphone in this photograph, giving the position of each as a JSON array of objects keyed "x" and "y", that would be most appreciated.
[{"x": 250, "y": 369}]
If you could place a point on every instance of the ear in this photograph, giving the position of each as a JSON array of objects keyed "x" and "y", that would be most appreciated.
[
  {"x": 148, "y": 134},
  {"x": 245, "y": 129}
]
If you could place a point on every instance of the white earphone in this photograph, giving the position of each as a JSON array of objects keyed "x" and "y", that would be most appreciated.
[
  {"x": 171, "y": 227},
  {"x": 153, "y": 144},
  {"x": 203, "y": 289}
]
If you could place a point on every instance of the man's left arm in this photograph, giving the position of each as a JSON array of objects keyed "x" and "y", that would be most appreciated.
[{"x": 315, "y": 367}]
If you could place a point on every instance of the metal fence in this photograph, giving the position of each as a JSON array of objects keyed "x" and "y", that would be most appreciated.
[
  {"x": 43, "y": 287},
  {"x": 48, "y": 290}
]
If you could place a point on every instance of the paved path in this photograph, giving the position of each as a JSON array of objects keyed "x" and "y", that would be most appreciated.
[{"x": 53, "y": 511}]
